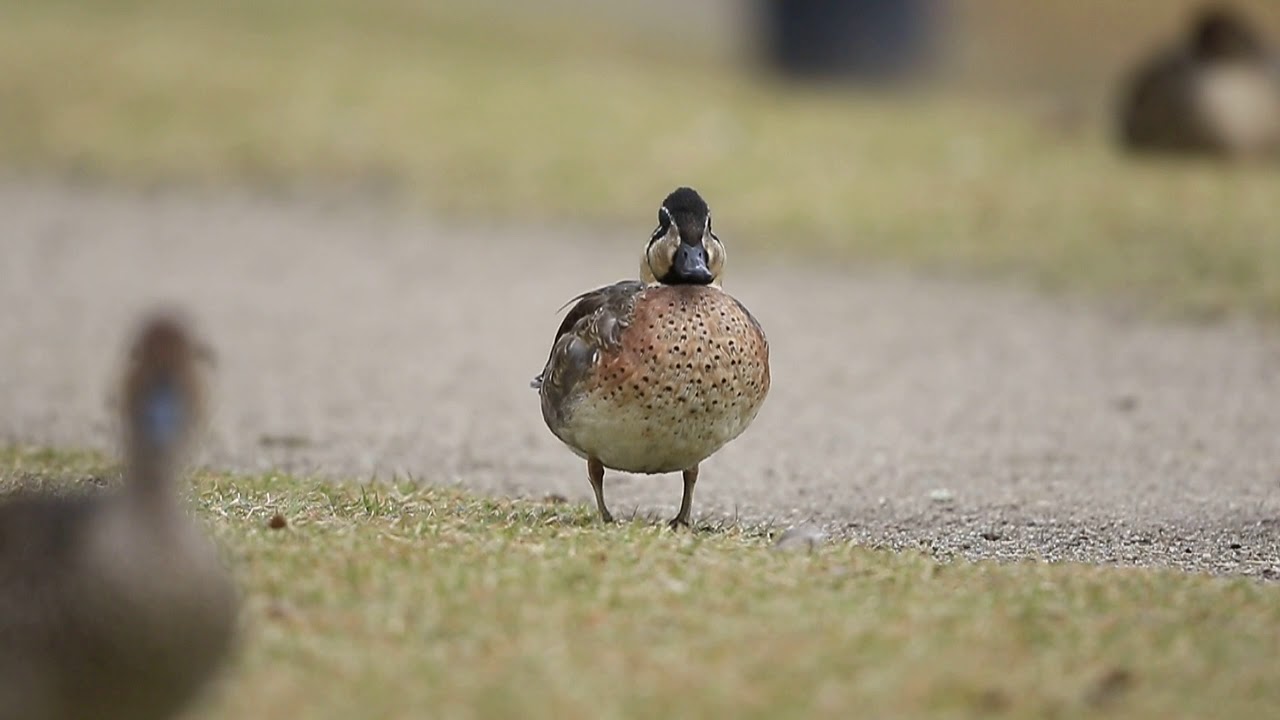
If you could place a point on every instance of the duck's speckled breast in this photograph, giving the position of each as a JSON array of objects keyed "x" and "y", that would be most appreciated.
[{"x": 688, "y": 374}]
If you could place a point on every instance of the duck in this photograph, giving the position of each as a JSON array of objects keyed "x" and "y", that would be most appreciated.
[
  {"x": 114, "y": 604},
  {"x": 1215, "y": 93},
  {"x": 656, "y": 375}
]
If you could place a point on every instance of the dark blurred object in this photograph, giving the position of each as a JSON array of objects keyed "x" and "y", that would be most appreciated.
[
  {"x": 855, "y": 40},
  {"x": 1217, "y": 92},
  {"x": 114, "y": 605}
]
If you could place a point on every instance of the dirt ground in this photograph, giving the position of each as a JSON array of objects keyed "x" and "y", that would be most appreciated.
[{"x": 357, "y": 341}]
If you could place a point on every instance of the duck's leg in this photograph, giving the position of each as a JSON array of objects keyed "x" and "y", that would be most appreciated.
[
  {"x": 595, "y": 473},
  {"x": 686, "y": 501}
]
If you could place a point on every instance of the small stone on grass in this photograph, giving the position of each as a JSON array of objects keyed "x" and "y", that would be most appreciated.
[{"x": 800, "y": 537}]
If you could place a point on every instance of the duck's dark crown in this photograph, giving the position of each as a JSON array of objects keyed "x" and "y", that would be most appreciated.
[{"x": 685, "y": 201}]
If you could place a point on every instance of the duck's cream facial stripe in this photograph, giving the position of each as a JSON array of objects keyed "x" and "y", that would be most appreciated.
[
  {"x": 659, "y": 255},
  {"x": 715, "y": 255}
]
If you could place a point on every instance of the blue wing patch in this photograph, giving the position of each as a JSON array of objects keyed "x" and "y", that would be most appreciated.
[{"x": 162, "y": 414}]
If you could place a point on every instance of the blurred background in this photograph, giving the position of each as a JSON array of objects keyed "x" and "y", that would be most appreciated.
[{"x": 968, "y": 136}]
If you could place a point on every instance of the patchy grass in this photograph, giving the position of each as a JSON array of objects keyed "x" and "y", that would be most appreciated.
[
  {"x": 402, "y": 600},
  {"x": 555, "y": 115}
]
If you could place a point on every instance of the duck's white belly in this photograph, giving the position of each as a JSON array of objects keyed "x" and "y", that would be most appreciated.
[
  {"x": 671, "y": 436},
  {"x": 1240, "y": 106}
]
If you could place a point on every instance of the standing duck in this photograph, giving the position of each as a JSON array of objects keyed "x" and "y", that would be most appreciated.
[
  {"x": 1215, "y": 93},
  {"x": 116, "y": 606},
  {"x": 656, "y": 376}
]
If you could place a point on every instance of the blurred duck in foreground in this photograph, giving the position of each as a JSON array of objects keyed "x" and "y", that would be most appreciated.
[
  {"x": 1215, "y": 93},
  {"x": 656, "y": 376},
  {"x": 115, "y": 605}
]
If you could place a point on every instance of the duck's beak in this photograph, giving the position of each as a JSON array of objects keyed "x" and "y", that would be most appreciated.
[{"x": 690, "y": 264}]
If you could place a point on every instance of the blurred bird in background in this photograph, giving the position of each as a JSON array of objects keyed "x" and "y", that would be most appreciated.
[
  {"x": 116, "y": 605},
  {"x": 1217, "y": 92}
]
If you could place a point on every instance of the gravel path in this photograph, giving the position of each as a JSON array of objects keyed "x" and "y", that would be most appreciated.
[{"x": 357, "y": 341}]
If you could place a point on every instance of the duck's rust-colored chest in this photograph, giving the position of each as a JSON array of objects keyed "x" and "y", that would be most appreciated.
[
  {"x": 691, "y": 345},
  {"x": 684, "y": 371}
]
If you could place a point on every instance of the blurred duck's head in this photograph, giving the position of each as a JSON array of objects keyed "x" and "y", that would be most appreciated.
[
  {"x": 1221, "y": 34},
  {"x": 162, "y": 394}
]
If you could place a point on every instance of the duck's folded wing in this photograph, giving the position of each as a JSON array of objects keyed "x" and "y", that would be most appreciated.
[{"x": 593, "y": 323}]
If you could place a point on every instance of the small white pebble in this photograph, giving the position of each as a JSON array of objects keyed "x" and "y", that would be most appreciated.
[
  {"x": 941, "y": 495},
  {"x": 800, "y": 537}
]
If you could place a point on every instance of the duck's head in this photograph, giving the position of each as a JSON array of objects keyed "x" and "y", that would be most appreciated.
[
  {"x": 683, "y": 250},
  {"x": 162, "y": 395},
  {"x": 1219, "y": 33}
]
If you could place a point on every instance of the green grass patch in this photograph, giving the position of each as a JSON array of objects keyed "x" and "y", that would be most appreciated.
[
  {"x": 403, "y": 600},
  {"x": 514, "y": 114}
]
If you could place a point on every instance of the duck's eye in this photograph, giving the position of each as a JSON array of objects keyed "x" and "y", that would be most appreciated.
[{"x": 664, "y": 223}]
